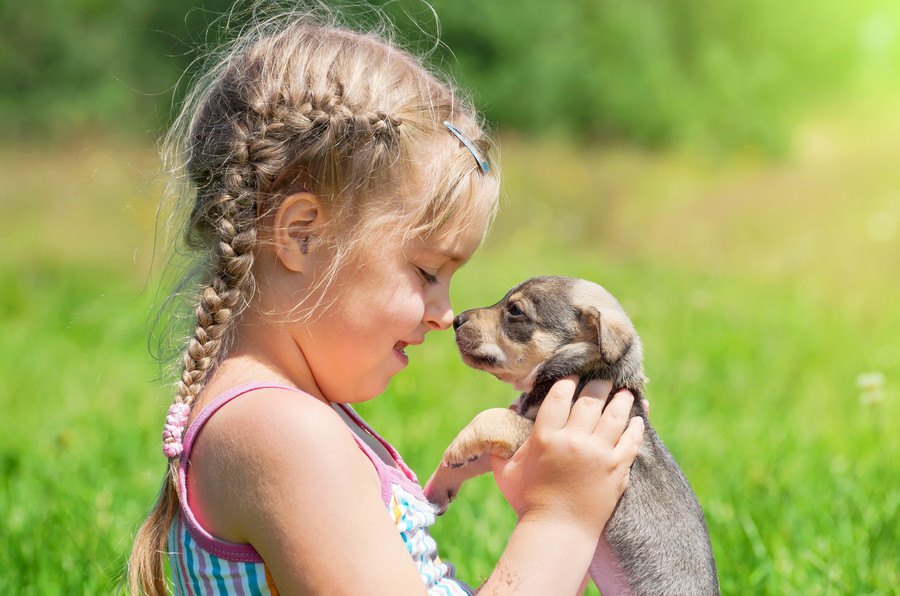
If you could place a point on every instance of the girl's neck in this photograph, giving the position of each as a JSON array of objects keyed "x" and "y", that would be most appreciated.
[{"x": 263, "y": 352}]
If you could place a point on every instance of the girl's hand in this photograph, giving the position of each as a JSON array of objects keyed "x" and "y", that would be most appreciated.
[{"x": 575, "y": 464}]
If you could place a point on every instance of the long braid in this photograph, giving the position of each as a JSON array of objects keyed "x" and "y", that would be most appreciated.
[
  {"x": 226, "y": 296},
  {"x": 221, "y": 302}
]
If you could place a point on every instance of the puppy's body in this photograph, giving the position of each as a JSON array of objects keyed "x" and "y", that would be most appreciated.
[{"x": 656, "y": 541}]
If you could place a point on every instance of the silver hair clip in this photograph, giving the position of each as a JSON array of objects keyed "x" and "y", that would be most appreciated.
[{"x": 482, "y": 161}]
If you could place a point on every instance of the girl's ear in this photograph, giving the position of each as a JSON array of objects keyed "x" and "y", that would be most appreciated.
[{"x": 296, "y": 220}]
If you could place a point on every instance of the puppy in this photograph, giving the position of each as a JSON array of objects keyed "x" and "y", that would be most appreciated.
[{"x": 546, "y": 328}]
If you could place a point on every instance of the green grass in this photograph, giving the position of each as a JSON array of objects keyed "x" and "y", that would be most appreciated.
[{"x": 762, "y": 291}]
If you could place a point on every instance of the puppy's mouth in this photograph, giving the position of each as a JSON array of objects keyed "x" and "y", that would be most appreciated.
[
  {"x": 477, "y": 354},
  {"x": 493, "y": 365},
  {"x": 480, "y": 362}
]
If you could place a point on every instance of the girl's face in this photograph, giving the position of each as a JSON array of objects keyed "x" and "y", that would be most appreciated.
[{"x": 389, "y": 301}]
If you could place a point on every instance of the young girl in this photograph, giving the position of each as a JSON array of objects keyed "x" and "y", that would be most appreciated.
[{"x": 337, "y": 186}]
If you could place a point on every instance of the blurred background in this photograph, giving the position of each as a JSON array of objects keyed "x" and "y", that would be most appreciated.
[{"x": 729, "y": 170}]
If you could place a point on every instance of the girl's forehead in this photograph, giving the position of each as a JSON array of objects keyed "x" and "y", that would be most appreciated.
[{"x": 456, "y": 243}]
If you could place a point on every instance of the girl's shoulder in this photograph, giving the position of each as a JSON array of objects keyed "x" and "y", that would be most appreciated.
[
  {"x": 269, "y": 425},
  {"x": 254, "y": 420},
  {"x": 264, "y": 453},
  {"x": 256, "y": 411}
]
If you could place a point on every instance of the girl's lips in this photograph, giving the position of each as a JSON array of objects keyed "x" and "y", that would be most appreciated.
[{"x": 398, "y": 351}]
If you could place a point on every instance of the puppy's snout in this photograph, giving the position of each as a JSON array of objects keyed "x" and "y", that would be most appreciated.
[{"x": 459, "y": 320}]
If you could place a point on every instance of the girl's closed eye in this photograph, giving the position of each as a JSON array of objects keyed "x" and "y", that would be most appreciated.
[{"x": 427, "y": 277}]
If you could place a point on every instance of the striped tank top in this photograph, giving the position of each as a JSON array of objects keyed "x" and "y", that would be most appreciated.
[{"x": 203, "y": 564}]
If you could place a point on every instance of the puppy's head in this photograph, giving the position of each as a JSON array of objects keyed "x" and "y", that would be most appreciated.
[{"x": 536, "y": 319}]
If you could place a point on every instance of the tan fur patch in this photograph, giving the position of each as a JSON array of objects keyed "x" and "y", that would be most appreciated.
[{"x": 541, "y": 346}]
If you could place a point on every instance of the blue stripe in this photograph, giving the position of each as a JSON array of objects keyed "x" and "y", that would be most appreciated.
[
  {"x": 173, "y": 558},
  {"x": 217, "y": 573},
  {"x": 172, "y": 545},
  {"x": 190, "y": 562},
  {"x": 252, "y": 579}
]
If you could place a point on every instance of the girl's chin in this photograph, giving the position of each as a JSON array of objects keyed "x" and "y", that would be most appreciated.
[
  {"x": 372, "y": 389},
  {"x": 375, "y": 383}
]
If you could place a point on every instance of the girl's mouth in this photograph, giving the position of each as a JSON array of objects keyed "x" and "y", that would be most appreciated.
[
  {"x": 399, "y": 351},
  {"x": 400, "y": 348}
]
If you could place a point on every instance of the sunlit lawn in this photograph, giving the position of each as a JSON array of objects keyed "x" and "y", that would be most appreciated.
[{"x": 762, "y": 291}]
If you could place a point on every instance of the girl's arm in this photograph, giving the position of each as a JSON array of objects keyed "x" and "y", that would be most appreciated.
[{"x": 287, "y": 476}]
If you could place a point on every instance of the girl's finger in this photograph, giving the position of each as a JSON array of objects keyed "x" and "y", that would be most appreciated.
[
  {"x": 615, "y": 417},
  {"x": 630, "y": 441},
  {"x": 554, "y": 411},
  {"x": 589, "y": 406},
  {"x": 646, "y": 405}
]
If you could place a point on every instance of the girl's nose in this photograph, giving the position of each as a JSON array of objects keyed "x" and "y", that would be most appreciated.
[
  {"x": 443, "y": 321},
  {"x": 440, "y": 316}
]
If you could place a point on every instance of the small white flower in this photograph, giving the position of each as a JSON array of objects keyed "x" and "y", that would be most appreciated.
[
  {"x": 870, "y": 380},
  {"x": 871, "y": 385}
]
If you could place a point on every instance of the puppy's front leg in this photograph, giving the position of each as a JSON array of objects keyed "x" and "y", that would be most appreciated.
[{"x": 498, "y": 431}]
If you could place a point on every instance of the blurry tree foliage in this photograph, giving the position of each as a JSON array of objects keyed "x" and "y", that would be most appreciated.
[{"x": 728, "y": 75}]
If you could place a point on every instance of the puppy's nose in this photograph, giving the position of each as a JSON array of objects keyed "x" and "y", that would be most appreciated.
[{"x": 459, "y": 320}]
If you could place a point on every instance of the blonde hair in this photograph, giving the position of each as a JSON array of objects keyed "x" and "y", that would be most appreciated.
[{"x": 300, "y": 102}]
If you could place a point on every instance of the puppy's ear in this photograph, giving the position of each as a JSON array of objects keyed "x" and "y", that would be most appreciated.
[{"x": 613, "y": 334}]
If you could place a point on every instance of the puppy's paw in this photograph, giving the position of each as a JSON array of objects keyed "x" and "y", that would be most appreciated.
[
  {"x": 458, "y": 457},
  {"x": 465, "y": 449},
  {"x": 499, "y": 431},
  {"x": 444, "y": 484},
  {"x": 440, "y": 491}
]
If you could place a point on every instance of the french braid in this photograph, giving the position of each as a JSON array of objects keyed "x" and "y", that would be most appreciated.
[{"x": 224, "y": 299}]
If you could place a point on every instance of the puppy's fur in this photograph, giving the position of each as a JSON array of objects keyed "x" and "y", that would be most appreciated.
[{"x": 656, "y": 541}]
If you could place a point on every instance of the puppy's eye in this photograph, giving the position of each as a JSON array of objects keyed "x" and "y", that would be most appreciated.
[{"x": 515, "y": 310}]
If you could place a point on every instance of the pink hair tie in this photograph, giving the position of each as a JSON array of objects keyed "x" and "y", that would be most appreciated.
[{"x": 176, "y": 420}]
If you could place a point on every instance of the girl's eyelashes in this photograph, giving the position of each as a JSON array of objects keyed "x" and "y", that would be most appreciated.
[{"x": 427, "y": 277}]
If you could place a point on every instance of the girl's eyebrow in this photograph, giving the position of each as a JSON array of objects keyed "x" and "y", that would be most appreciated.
[{"x": 450, "y": 255}]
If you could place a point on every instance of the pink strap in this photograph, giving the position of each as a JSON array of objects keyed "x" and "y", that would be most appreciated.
[{"x": 401, "y": 475}]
